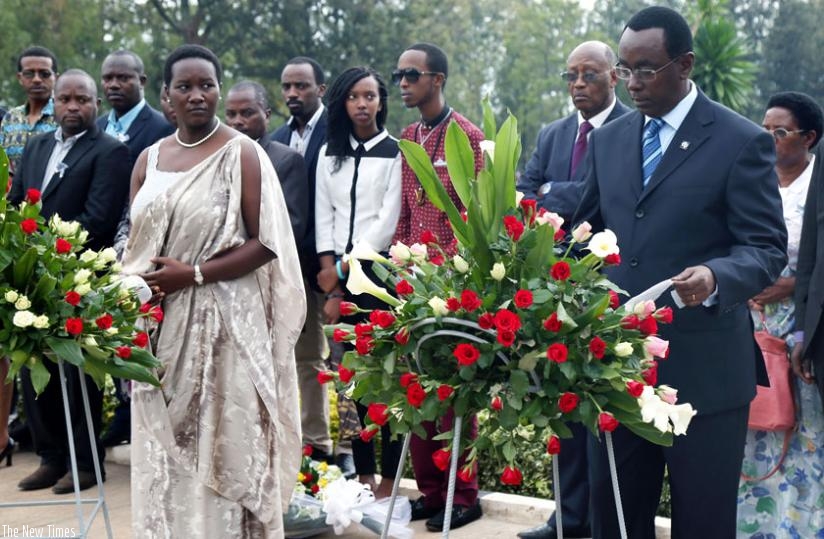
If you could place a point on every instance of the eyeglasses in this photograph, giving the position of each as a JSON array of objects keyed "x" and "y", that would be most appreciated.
[
  {"x": 42, "y": 73},
  {"x": 572, "y": 76},
  {"x": 411, "y": 75},
  {"x": 645, "y": 74},
  {"x": 780, "y": 133}
]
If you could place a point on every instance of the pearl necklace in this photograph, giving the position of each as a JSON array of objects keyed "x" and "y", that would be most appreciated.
[{"x": 199, "y": 142}]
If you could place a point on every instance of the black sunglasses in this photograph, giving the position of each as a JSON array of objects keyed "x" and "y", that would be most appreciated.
[{"x": 411, "y": 75}]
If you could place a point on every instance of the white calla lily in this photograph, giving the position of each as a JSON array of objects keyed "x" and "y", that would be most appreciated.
[
  {"x": 603, "y": 244},
  {"x": 358, "y": 283},
  {"x": 681, "y": 415},
  {"x": 362, "y": 251}
]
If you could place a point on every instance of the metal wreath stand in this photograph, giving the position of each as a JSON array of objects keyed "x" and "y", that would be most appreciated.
[
  {"x": 456, "y": 437},
  {"x": 99, "y": 502}
]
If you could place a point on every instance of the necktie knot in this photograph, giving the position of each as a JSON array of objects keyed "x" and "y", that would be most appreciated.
[
  {"x": 585, "y": 128},
  {"x": 653, "y": 127}
]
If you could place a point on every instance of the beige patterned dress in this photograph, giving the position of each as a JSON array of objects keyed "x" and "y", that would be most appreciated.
[{"x": 216, "y": 449}]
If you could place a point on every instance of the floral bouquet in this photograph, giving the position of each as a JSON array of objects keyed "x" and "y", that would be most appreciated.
[
  {"x": 513, "y": 317},
  {"x": 59, "y": 300}
]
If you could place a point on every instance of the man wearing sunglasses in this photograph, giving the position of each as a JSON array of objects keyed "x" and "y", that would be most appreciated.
[
  {"x": 554, "y": 177},
  {"x": 421, "y": 75},
  {"x": 553, "y": 174},
  {"x": 689, "y": 188},
  {"x": 36, "y": 73}
]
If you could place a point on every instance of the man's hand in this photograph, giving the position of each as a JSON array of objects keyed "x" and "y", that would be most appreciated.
[
  {"x": 802, "y": 366},
  {"x": 328, "y": 279},
  {"x": 783, "y": 288},
  {"x": 694, "y": 285},
  {"x": 331, "y": 310}
]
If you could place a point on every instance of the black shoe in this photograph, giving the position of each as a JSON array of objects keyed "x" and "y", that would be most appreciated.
[
  {"x": 322, "y": 456},
  {"x": 420, "y": 511},
  {"x": 461, "y": 516},
  {"x": 346, "y": 463},
  {"x": 66, "y": 484},
  {"x": 7, "y": 451},
  {"x": 549, "y": 531},
  {"x": 119, "y": 432},
  {"x": 43, "y": 477}
]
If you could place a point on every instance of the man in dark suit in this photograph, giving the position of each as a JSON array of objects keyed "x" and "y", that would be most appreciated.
[
  {"x": 302, "y": 86},
  {"x": 554, "y": 173},
  {"x": 83, "y": 175},
  {"x": 808, "y": 353},
  {"x": 553, "y": 177},
  {"x": 697, "y": 203}
]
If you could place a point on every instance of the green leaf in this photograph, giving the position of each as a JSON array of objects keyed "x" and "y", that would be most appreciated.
[
  {"x": 508, "y": 417},
  {"x": 39, "y": 375},
  {"x": 538, "y": 258},
  {"x": 66, "y": 349},
  {"x": 507, "y": 153},
  {"x": 389, "y": 363},
  {"x": 568, "y": 323},
  {"x": 508, "y": 451},
  {"x": 489, "y": 119},
  {"x": 23, "y": 268},
  {"x": 44, "y": 286},
  {"x": 130, "y": 371},
  {"x": 560, "y": 428},
  {"x": 530, "y": 360},
  {"x": 460, "y": 162},
  {"x": 142, "y": 357},
  {"x": 519, "y": 382}
]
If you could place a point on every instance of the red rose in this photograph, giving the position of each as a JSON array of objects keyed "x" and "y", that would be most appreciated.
[
  {"x": 367, "y": 434},
  {"x": 105, "y": 321},
  {"x": 345, "y": 374},
  {"x": 505, "y": 319},
  {"x": 141, "y": 339},
  {"x": 523, "y": 298},
  {"x": 568, "y": 402},
  {"x": 607, "y": 422},
  {"x": 145, "y": 308},
  {"x": 325, "y": 377},
  {"x": 378, "y": 413},
  {"x": 363, "y": 330},
  {"x": 466, "y": 474},
  {"x": 307, "y": 477},
  {"x": 427, "y": 237},
  {"x": 436, "y": 259},
  {"x": 444, "y": 392},
  {"x": 28, "y": 225},
  {"x": 557, "y": 352},
  {"x": 415, "y": 394},
  {"x": 486, "y": 321},
  {"x": 559, "y": 235},
  {"x": 382, "y": 318},
  {"x": 470, "y": 301},
  {"x": 441, "y": 458},
  {"x": 347, "y": 308},
  {"x": 408, "y": 378},
  {"x": 511, "y": 476},
  {"x": 74, "y": 326},
  {"x": 597, "y": 346},
  {"x": 339, "y": 335},
  {"x": 33, "y": 196},
  {"x": 402, "y": 336},
  {"x": 650, "y": 375},
  {"x": 560, "y": 271},
  {"x": 466, "y": 354},
  {"x": 307, "y": 450},
  {"x": 514, "y": 227},
  {"x": 157, "y": 313},
  {"x": 613, "y": 259},
  {"x": 62, "y": 246},
  {"x": 553, "y": 445},
  {"x": 552, "y": 323},
  {"x": 72, "y": 298},
  {"x": 453, "y": 304},
  {"x": 635, "y": 388},
  {"x": 614, "y": 300},
  {"x": 528, "y": 207},
  {"x": 664, "y": 315},
  {"x": 364, "y": 345},
  {"x": 506, "y": 337},
  {"x": 648, "y": 326},
  {"x": 404, "y": 288},
  {"x": 123, "y": 352},
  {"x": 630, "y": 321},
  {"x": 315, "y": 488},
  {"x": 496, "y": 404}
]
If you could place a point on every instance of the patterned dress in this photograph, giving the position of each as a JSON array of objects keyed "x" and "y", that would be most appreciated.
[
  {"x": 216, "y": 449},
  {"x": 790, "y": 504}
]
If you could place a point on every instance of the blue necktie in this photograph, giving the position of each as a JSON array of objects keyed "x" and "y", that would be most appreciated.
[{"x": 651, "y": 148}]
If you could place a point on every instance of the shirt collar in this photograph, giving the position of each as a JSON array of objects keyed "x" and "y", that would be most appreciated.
[
  {"x": 369, "y": 144},
  {"x": 125, "y": 121},
  {"x": 58, "y": 135},
  {"x": 675, "y": 117},
  {"x": 599, "y": 119},
  {"x": 310, "y": 125},
  {"x": 48, "y": 110}
]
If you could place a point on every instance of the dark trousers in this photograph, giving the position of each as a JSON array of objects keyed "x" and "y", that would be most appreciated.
[
  {"x": 363, "y": 453},
  {"x": 704, "y": 468},
  {"x": 47, "y": 423},
  {"x": 573, "y": 469}
]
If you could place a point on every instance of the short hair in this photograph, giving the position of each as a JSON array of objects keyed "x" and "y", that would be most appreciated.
[
  {"x": 138, "y": 62},
  {"x": 435, "y": 58},
  {"x": 677, "y": 34},
  {"x": 261, "y": 96},
  {"x": 806, "y": 111},
  {"x": 78, "y": 73},
  {"x": 187, "y": 51},
  {"x": 36, "y": 50},
  {"x": 320, "y": 78}
]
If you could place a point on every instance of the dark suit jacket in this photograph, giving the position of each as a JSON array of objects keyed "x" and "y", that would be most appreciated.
[
  {"x": 309, "y": 262},
  {"x": 149, "y": 127},
  {"x": 713, "y": 200},
  {"x": 551, "y": 161},
  {"x": 93, "y": 188},
  {"x": 291, "y": 170}
]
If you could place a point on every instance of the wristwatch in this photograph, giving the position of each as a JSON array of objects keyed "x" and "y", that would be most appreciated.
[
  {"x": 544, "y": 189},
  {"x": 198, "y": 275}
]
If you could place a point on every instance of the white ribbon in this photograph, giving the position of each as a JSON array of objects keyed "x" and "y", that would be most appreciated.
[{"x": 348, "y": 501}]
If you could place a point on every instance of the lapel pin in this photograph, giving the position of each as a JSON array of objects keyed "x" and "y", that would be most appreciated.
[
  {"x": 684, "y": 145},
  {"x": 61, "y": 169}
]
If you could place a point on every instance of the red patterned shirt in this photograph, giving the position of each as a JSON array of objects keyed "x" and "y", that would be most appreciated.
[{"x": 417, "y": 212}]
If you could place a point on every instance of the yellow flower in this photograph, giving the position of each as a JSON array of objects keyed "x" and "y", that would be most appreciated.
[
  {"x": 323, "y": 466},
  {"x": 301, "y": 477}
]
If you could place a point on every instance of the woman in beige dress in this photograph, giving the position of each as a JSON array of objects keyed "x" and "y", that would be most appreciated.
[{"x": 215, "y": 449}]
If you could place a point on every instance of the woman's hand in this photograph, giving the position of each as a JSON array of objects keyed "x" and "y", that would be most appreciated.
[
  {"x": 328, "y": 279},
  {"x": 782, "y": 289},
  {"x": 172, "y": 276},
  {"x": 331, "y": 310}
]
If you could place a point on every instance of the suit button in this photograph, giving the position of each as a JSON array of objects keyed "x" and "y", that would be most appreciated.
[
  {"x": 633, "y": 262},
  {"x": 639, "y": 214}
]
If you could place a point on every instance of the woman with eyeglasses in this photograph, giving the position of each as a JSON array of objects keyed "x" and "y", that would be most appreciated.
[
  {"x": 796, "y": 490},
  {"x": 357, "y": 201}
]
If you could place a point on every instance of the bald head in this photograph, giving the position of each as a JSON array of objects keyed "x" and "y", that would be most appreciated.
[
  {"x": 595, "y": 50},
  {"x": 77, "y": 75},
  {"x": 75, "y": 102},
  {"x": 591, "y": 77}
]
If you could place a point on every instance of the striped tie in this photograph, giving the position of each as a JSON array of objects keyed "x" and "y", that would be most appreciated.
[{"x": 651, "y": 148}]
